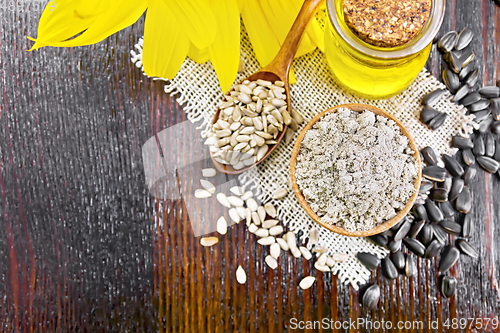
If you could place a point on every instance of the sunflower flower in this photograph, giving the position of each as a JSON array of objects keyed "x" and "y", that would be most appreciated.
[{"x": 200, "y": 29}]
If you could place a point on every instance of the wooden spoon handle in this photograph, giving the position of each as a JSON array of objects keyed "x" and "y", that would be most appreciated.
[{"x": 283, "y": 60}]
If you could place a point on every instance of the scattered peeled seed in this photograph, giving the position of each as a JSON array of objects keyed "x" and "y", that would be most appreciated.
[
  {"x": 320, "y": 249},
  {"x": 241, "y": 212},
  {"x": 256, "y": 218},
  {"x": 276, "y": 230},
  {"x": 282, "y": 243},
  {"x": 275, "y": 250},
  {"x": 241, "y": 276},
  {"x": 209, "y": 241},
  {"x": 222, "y": 199},
  {"x": 261, "y": 232},
  {"x": 297, "y": 117},
  {"x": 252, "y": 204},
  {"x": 202, "y": 194},
  {"x": 307, "y": 282},
  {"x": 340, "y": 257},
  {"x": 207, "y": 186},
  {"x": 280, "y": 193},
  {"x": 270, "y": 209},
  {"x": 305, "y": 252},
  {"x": 321, "y": 268},
  {"x": 222, "y": 225},
  {"x": 271, "y": 262},
  {"x": 269, "y": 223},
  {"x": 262, "y": 213},
  {"x": 209, "y": 172},
  {"x": 235, "y": 201},
  {"x": 237, "y": 190},
  {"x": 313, "y": 236},
  {"x": 247, "y": 195},
  {"x": 266, "y": 240},
  {"x": 233, "y": 214},
  {"x": 252, "y": 228}
]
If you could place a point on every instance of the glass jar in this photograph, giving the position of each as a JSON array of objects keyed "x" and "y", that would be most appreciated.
[{"x": 371, "y": 71}]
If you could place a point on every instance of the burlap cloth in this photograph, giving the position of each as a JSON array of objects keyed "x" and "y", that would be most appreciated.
[{"x": 197, "y": 89}]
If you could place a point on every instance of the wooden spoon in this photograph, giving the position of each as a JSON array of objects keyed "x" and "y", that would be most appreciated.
[{"x": 277, "y": 70}]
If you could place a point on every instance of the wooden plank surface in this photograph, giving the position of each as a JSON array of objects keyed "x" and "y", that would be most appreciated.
[{"x": 82, "y": 251}]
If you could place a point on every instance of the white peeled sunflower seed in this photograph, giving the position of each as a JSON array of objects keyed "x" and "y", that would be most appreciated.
[
  {"x": 283, "y": 244},
  {"x": 322, "y": 259},
  {"x": 262, "y": 213},
  {"x": 252, "y": 204},
  {"x": 330, "y": 262},
  {"x": 237, "y": 190},
  {"x": 276, "y": 230},
  {"x": 261, "y": 232},
  {"x": 305, "y": 252},
  {"x": 266, "y": 240},
  {"x": 297, "y": 117},
  {"x": 222, "y": 225},
  {"x": 247, "y": 195},
  {"x": 222, "y": 199},
  {"x": 255, "y": 218},
  {"x": 235, "y": 201},
  {"x": 307, "y": 282},
  {"x": 209, "y": 241},
  {"x": 270, "y": 209},
  {"x": 319, "y": 249},
  {"x": 340, "y": 257},
  {"x": 253, "y": 228},
  {"x": 313, "y": 236},
  {"x": 292, "y": 244},
  {"x": 275, "y": 250},
  {"x": 271, "y": 262},
  {"x": 269, "y": 223},
  {"x": 321, "y": 268},
  {"x": 202, "y": 194},
  {"x": 248, "y": 215},
  {"x": 280, "y": 193},
  {"x": 241, "y": 212},
  {"x": 233, "y": 214},
  {"x": 208, "y": 172},
  {"x": 241, "y": 276},
  {"x": 262, "y": 152},
  {"x": 207, "y": 186}
]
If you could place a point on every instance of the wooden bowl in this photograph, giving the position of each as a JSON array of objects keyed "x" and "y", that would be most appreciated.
[{"x": 381, "y": 227}]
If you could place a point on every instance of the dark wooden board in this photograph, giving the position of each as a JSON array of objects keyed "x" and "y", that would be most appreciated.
[{"x": 81, "y": 251}]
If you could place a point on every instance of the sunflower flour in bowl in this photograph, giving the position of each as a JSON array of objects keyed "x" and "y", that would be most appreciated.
[{"x": 356, "y": 170}]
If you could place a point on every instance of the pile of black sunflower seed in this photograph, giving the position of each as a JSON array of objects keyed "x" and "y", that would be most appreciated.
[{"x": 425, "y": 232}]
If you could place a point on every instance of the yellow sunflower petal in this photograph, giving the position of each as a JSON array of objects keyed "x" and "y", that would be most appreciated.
[
  {"x": 225, "y": 49},
  {"x": 196, "y": 19},
  {"x": 92, "y": 20},
  {"x": 197, "y": 55},
  {"x": 165, "y": 45}
]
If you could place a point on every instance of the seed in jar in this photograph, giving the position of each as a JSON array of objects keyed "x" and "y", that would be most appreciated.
[{"x": 209, "y": 241}]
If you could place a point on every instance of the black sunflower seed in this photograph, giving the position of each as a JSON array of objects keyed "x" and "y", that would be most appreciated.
[
  {"x": 438, "y": 121},
  {"x": 453, "y": 60},
  {"x": 394, "y": 246},
  {"x": 446, "y": 184},
  {"x": 429, "y": 155},
  {"x": 428, "y": 114},
  {"x": 371, "y": 296},
  {"x": 416, "y": 228},
  {"x": 489, "y": 144},
  {"x": 489, "y": 91},
  {"x": 451, "y": 80},
  {"x": 464, "y": 202},
  {"x": 478, "y": 149},
  {"x": 435, "y": 214},
  {"x": 369, "y": 260},
  {"x": 472, "y": 78},
  {"x": 484, "y": 125},
  {"x": 449, "y": 258},
  {"x": 495, "y": 127},
  {"x": 398, "y": 259},
  {"x": 461, "y": 142},
  {"x": 425, "y": 187},
  {"x": 410, "y": 266},
  {"x": 466, "y": 70},
  {"x": 448, "y": 286},
  {"x": 482, "y": 115},
  {"x": 433, "y": 249},
  {"x": 426, "y": 234},
  {"x": 461, "y": 93},
  {"x": 471, "y": 98},
  {"x": 469, "y": 175},
  {"x": 468, "y": 226},
  {"x": 466, "y": 248},
  {"x": 434, "y": 173},
  {"x": 488, "y": 164},
  {"x": 468, "y": 156},
  {"x": 439, "y": 195},
  {"x": 452, "y": 165},
  {"x": 464, "y": 39},
  {"x": 402, "y": 231},
  {"x": 420, "y": 212},
  {"x": 379, "y": 239},
  {"x": 495, "y": 108},
  {"x": 496, "y": 156},
  {"x": 415, "y": 246},
  {"x": 456, "y": 188},
  {"x": 388, "y": 268},
  {"x": 398, "y": 225},
  {"x": 466, "y": 58},
  {"x": 440, "y": 234},
  {"x": 479, "y": 105},
  {"x": 431, "y": 98},
  {"x": 448, "y": 41},
  {"x": 447, "y": 208},
  {"x": 451, "y": 227}
]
